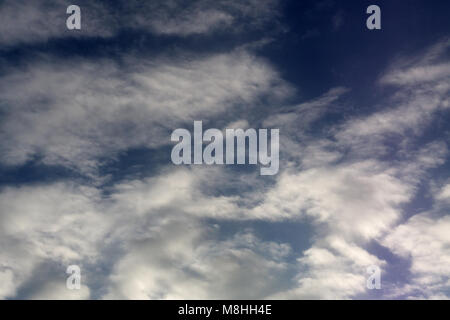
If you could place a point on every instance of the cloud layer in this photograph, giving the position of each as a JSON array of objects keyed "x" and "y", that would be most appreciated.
[{"x": 354, "y": 181}]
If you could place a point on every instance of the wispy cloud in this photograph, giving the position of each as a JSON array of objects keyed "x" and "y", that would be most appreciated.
[
  {"x": 25, "y": 22},
  {"x": 74, "y": 113}
]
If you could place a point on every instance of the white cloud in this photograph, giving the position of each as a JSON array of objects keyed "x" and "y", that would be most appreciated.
[
  {"x": 349, "y": 205},
  {"x": 444, "y": 193},
  {"x": 305, "y": 112},
  {"x": 426, "y": 241},
  {"x": 61, "y": 222},
  {"x": 419, "y": 74},
  {"x": 8, "y": 287},
  {"x": 348, "y": 198},
  {"x": 166, "y": 251},
  {"x": 73, "y": 113},
  {"x": 333, "y": 269},
  {"x": 191, "y": 267}
]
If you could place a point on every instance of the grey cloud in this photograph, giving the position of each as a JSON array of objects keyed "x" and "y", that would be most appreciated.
[
  {"x": 38, "y": 21},
  {"x": 23, "y": 21}
]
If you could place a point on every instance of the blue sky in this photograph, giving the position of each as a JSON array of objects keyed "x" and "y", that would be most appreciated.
[{"x": 86, "y": 177}]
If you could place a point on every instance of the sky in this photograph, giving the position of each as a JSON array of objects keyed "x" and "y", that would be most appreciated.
[{"x": 86, "y": 176}]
